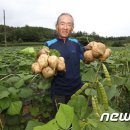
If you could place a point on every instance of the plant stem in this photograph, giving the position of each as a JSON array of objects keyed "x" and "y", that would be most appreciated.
[
  {"x": 98, "y": 69},
  {"x": 127, "y": 65},
  {"x": 34, "y": 77},
  {"x": 6, "y": 77},
  {"x": 1, "y": 125}
]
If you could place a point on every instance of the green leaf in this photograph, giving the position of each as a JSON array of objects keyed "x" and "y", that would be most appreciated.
[
  {"x": 0, "y": 58},
  {"x": 64, "y": 116},
  {"x": 25, "y": 76},
  {"x": 46, "y": 115},
  {"x": 44, "y": 84},
  {"x": 28, "y": 50},
  {"x": 111, "y": 126},
  {"x": 19, "y": 83},
  {"x": 52, "y": 125},
  {"x": 26, "y": 92},
  {"x": 117, "y": 80},
  {"x": 3, "y": 88},
  {"x": 97, "y": 125},
  {"x": 92, "y": 122},
  {"x": 90, "y": 92},
  {"x": 14, "y": 108},
  {"x": 75, "y": 123},
  {"x": 4, "y": 94},
  {"x": 12, "y": 121},
  {"x": 12, "y": 79},
  {"x": 13, "y": 90},
  {"x": 80, "y": 105},
  {"x": 4, "y": 103},
  {"x": 127, "y": 124},
  {"x": 90, "y": 75},
  {"x": 33, "y": 123},
  {"x": 128, "y": 84},
  {"x": 110, "y": 61},
  {"x": 34, "y": 110},
  {"x": 111, "y": 92}
]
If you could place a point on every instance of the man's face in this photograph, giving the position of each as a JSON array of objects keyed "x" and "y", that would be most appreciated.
[{"x": 64, "y": 26}]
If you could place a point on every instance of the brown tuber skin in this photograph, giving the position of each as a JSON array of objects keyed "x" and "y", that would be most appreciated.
[
  {"x": 47, "y": 64},
  {"x": 88, "y": 56},
  {"x": 42, "y": 60},
  {"x": 43, "y": 51},
  {"x": 48, "y": 72},
  {"x": 36, "y": 68},
  {"x": 105, "y": 55},
  {"x": 90, "y": 45},
  {"x": 61, "y": 64},
  {"x": 53, "y": 61},
  {"x": 98, "y": 49}
]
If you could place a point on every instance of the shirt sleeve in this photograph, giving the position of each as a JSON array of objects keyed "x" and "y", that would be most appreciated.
[{"x": 82, "y": 50}]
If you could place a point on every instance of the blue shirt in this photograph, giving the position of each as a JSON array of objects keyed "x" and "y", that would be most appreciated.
[{"x": 68, "y": 82}]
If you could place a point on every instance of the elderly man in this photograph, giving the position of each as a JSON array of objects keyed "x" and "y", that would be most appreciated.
[{"x": 66, "y": 83}]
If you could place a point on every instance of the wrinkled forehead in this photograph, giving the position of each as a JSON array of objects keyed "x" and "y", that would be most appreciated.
[{"x": 66, "y": 19}]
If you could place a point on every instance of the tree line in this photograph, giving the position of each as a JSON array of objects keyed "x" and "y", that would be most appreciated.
[{"x": 41, "y": 34}]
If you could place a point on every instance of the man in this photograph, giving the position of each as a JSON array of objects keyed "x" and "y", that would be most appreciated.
[{"x": 66, "y": 83}]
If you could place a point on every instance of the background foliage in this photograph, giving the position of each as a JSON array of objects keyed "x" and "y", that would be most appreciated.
[
  {"x": 18, "y": 35},
  {"x": 25, "y": 98}
]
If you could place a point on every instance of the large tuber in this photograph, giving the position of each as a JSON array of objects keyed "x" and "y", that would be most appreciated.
[
  {"x": 53, "y": 61},
  {"x": 43, "y": 60},
  {"x": 61, "y": 64},
  {"x": 105, "y": 55},
  {"x": 48, "y": 72},
  {"x": 88, "y": 56},
  {"x": 36, "y": 68},
  {"x": 98, "y": 49}
]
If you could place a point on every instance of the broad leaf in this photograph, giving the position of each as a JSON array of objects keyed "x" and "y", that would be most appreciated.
[
  {"x": 4, "y": 94},
  {"x": 19, "y": 83},
  {"x": 12, "y": 79},
  {"x": 44, "y": 84},
  {"x": 111, "y": 91},
  {"x": 33, "y": 123},
  {"x": 90, "y": 75},
  {"x": 34, "y": 110},
  {"x": 25, "y": 76},
  {"x": 90, "y": 92},
  {"x": 13, "y": 90},
  {"x": 116, "y": 80},
  {"x": 28, "y": 50},
  {"x": 128, "y": 84},
  {"x": 26, "y": 92},
  {"x": 75, "y": 123},
  {"x": 52, "y": 125},
  {"x": 14, "y": 108},
  {"x": 80, "y": 105},
  {"x": 64, "y": 116},
  {"x": 4, "y": 103},
  {"x": 111, "y": 126}
]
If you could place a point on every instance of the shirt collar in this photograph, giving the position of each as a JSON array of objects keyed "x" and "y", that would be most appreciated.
[{"x": 59, "y": 39}]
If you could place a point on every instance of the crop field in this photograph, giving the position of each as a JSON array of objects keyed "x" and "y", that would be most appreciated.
[{"x": 25, "y": 102}]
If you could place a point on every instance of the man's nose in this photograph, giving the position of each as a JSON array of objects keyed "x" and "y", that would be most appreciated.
[{"x": 65, "y": 26}]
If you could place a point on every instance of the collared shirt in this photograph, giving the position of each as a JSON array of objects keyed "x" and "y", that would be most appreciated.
[{"x": 69, "y": 81}]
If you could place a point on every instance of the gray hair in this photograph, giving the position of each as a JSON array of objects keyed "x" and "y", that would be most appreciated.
[{"x": 67, "y": 15}]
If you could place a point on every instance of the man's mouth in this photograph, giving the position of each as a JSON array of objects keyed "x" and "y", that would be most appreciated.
[{"x": 64, "y": 32}]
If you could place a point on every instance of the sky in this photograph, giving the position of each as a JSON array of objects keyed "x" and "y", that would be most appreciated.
[{"x": 105, "y": 17}]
